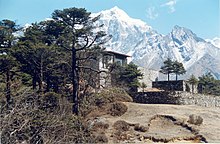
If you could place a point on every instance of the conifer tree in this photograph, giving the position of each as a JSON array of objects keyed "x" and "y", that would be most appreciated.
[
  {"x": 36, "y": 54},
  {"x": 143, "y": 86},
  {"x": 7, "y": 61},
  {"x": 126, "y": 77},
  {"x": 193, "y": 81},
  {"x": 167, "y": 68},
  {"x": 171, "y": 67},
  {"x": 78, "y": 36},
  {"x": 207, "y": 83},
  {"x": 178, "y": 69}
]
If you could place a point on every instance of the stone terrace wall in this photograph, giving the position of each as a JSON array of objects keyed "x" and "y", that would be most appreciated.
[
  {"x": 186, "y": 98},
  {"x": 155, "y": 98},
  {"x": 178, "y": 97}
]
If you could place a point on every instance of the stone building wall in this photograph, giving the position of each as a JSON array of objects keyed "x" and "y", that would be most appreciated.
[
  {"x": 177, "y": 97},
  {"x": 149, "y": 76}
]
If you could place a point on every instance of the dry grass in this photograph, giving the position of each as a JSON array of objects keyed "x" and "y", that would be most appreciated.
[
  {"x": 117, "y": 109},
  {"x": 108, "y": 101},
  {"x": 121, "y": 125},
  {"x": 37, "y": 119},
  {"x": 101, "y": 138}
]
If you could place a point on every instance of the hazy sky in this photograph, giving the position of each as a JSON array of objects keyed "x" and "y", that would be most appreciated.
[{"x": 201, "y": 16}]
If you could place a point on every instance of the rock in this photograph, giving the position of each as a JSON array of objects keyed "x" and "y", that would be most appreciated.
[
  {"x": 195, "y": 119},
  {"x": 140, "y": 128}
]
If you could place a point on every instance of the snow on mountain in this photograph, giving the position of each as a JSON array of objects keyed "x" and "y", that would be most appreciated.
[
  {"x": 125, "y": 31},
  {"x": 215, "y": 41},
  {"x": 149, "y": 48}
]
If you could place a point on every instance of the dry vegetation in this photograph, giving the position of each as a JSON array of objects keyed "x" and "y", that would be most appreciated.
[
  {"x": 32, "y": 118},
  {"x": 41, "y": 119},
  {"x": 107, "y": 101},
  {"x": 106, "y": 117}
]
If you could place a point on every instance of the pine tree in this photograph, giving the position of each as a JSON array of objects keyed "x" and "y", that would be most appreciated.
[
  {"x": 178, "y": 69},
  {"x": 170, "y": 67},
  {"x": 207, "y": 83},
  {"x": 143, "y": 86},
  {"x": 78, "y": 36},
  {"x": 7, "y": 61},
  {"x": 193, "y": 81},
  {"x": 126, "y": 77},
  {"x": 167, "y": 68},
  {"x": 36, "y": 54}
]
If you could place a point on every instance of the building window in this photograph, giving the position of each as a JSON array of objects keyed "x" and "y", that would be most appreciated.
[
  {"x": 119, "y": 61},
  {"x": 106, "y": 61}
]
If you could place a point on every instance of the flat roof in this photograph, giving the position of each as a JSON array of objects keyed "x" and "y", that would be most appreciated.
[{"x": 118, "y": 53}]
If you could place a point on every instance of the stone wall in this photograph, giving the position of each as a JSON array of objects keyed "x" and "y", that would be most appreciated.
[
  {"x": 161, "y": 97},
  {"x": 186, "y": 98},
  {"x": 178, "y": 97}
]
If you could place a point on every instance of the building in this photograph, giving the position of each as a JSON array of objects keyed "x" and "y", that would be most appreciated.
[
  {"x": 179, "y": 85},
  {"x": 110, "y": 57}
]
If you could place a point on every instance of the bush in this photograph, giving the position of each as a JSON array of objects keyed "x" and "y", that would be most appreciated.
[
  {"x": 101, "y": 138},
  {"x": 50, "y": 101},
  {"x": 28, "y": 123},
  {"x": 117, "y": 109},
  {"x": 121, "y": 125},
  {"x": 102, "y": 103},
  {"x": 141, "y": 128},
  {"x": 194, "y": 119},
  {"x": 97, "y": 124},
  {"x": 111, "y": 95}
]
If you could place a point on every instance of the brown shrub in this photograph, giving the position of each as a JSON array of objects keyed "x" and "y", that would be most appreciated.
[
  {"x": 101, "y": 138},
  {"x": 111, "y": 95},
  {"x": 27, "y": 122},
  {"x": 117, "y": 109},
  {"x": 121, "y": 125},
  {"x": 50, "y": 101},
  {"x": 103, "y": 102},
  {"x": 195, "y": 119},
  {"x": 97, "y": 125},
  {"x": 140, "y": 128}
]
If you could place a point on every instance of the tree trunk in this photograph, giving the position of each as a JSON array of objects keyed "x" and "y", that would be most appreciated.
[
  {"x": 176, "y": 76},
  {"x": 41, "y": 77},
  {"x": 48, "y": 84},
  {"x": 168, "y": 76},
  {"x": 34, "y": 81},
  {"x": 8, "y": 87},
  {"x": 75, "y": 108}
]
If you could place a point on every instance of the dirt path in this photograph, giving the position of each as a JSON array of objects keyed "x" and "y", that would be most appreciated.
[{"x": 166, "y": 123}]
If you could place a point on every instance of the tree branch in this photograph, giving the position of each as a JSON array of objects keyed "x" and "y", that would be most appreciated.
[
  {"x": 88, "y": 45},
  {"x": 89, "y": 68}
]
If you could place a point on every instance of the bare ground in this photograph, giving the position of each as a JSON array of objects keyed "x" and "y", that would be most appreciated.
[{"x": 165, "y": 123}]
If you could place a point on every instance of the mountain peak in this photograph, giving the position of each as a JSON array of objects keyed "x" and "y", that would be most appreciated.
[
  {"x": 177, "y": 28},
  {"x": 115, "y": 12},
  {"x": 183, "y": 33},
  {"x": 119, "y": 15},
  {"x": 115, "y": 8},
  {"x": 149, "y": 49}
]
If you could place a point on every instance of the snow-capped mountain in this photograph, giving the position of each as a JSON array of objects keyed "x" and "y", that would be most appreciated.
[
  {"x": 122, "y": 28},
  {"x": 149, "y": 48},
  {"x": 215, "y": 41}
]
